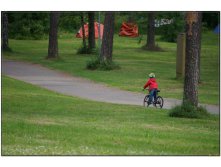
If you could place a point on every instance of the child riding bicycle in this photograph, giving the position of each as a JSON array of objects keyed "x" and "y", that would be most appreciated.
[{"x": 153, "y": 87}]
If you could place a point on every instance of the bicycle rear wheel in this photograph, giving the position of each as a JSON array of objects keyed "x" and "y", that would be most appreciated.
[
  {"x": 159, "y": 102},
  {"x": 145, "y": 101}
]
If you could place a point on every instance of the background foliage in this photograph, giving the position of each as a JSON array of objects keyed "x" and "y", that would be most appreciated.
[
  {"x": 35, "y": 25},
  {"x": 28, "y": 25}
]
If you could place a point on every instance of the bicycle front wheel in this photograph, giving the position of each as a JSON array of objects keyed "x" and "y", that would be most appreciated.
[{"x": 159, "y": 102}]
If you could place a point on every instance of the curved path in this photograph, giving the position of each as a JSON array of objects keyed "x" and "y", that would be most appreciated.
[{"x": 76, "y": 86}]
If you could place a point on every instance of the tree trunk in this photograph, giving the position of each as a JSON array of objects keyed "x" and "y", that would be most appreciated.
[
  {"x": 91, "y": 34},
  {"x": 108, "y": 35},
  {"x": 83, "y": 31},
  {"x": 192, "y": 58},
  {"x": 151, "y": 31},
  {"x": 199, "y": 40},
  {"x": 4, "y": 31},
  {"x": 53, "y": 39}
]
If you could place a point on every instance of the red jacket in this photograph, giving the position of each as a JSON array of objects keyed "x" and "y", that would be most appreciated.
[{"x": 152, "y": 83}]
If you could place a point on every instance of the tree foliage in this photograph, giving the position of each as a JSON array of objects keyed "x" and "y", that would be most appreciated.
[
  {"x": 169, "y": 32},
  {"x": 70, "y": 21},
  {"x": 28, "y": 25},
  {"x": 35, "y": 25},
  {"x": 211, "y": 19}
]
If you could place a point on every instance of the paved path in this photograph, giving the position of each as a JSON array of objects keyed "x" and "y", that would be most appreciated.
[{"x": 75, "y": 86}]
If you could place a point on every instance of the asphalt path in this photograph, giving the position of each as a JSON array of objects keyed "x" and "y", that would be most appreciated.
[{"x": 75, "y": 86}]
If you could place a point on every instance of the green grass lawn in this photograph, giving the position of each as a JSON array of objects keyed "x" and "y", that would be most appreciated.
[
  {"x": 36, "y": 121},
  {"x": 135, "y": 64}
]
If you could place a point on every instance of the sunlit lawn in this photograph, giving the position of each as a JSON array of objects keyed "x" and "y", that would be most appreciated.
[{"x": 36, "y": 121}]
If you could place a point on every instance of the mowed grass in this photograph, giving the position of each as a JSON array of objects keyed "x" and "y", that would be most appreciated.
[
  {"x": 135, "y": 64},
  {"x": 36, "y": 121}
]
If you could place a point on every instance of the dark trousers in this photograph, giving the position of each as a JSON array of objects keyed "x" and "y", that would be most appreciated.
[{"x": 153, "y": 94}]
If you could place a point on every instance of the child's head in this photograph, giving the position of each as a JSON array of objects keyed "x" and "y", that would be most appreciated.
[{"x": 151, "y": 75}]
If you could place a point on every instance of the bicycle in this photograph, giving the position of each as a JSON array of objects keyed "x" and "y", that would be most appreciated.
[{"x": 158, "y": 103}]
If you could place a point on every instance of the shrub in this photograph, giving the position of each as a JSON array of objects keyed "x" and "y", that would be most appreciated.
[
  {"x": 6, "y": 49},
  {"x": 187, "y": 110},
  {"x": 82, "y": 50},
  {"x": 108, "y": 65},
  {"x": 86, "y": 50},
  {"x": 93, "y": 64},
  {"x": 101, "y": 65},
  {"x": 202, "y": 111}
]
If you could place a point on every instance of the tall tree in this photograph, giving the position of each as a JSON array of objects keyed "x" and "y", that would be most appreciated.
[
  {"x": 192, "y": 57},
  {"x": 83, "y": 31},
  {"x": 150, "y": 45},
  {"x": 199, "y": 41},
  {"x": 4, "y": 31},
  {"x": 108, "y": 35},
  {"x": 53, "y": 35},
  {"x": 91, "y": 34}
]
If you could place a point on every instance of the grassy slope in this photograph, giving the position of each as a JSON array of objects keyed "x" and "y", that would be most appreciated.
[
  {"x": 135, "y": 64},
  {"x": 34, "y": 124}
]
